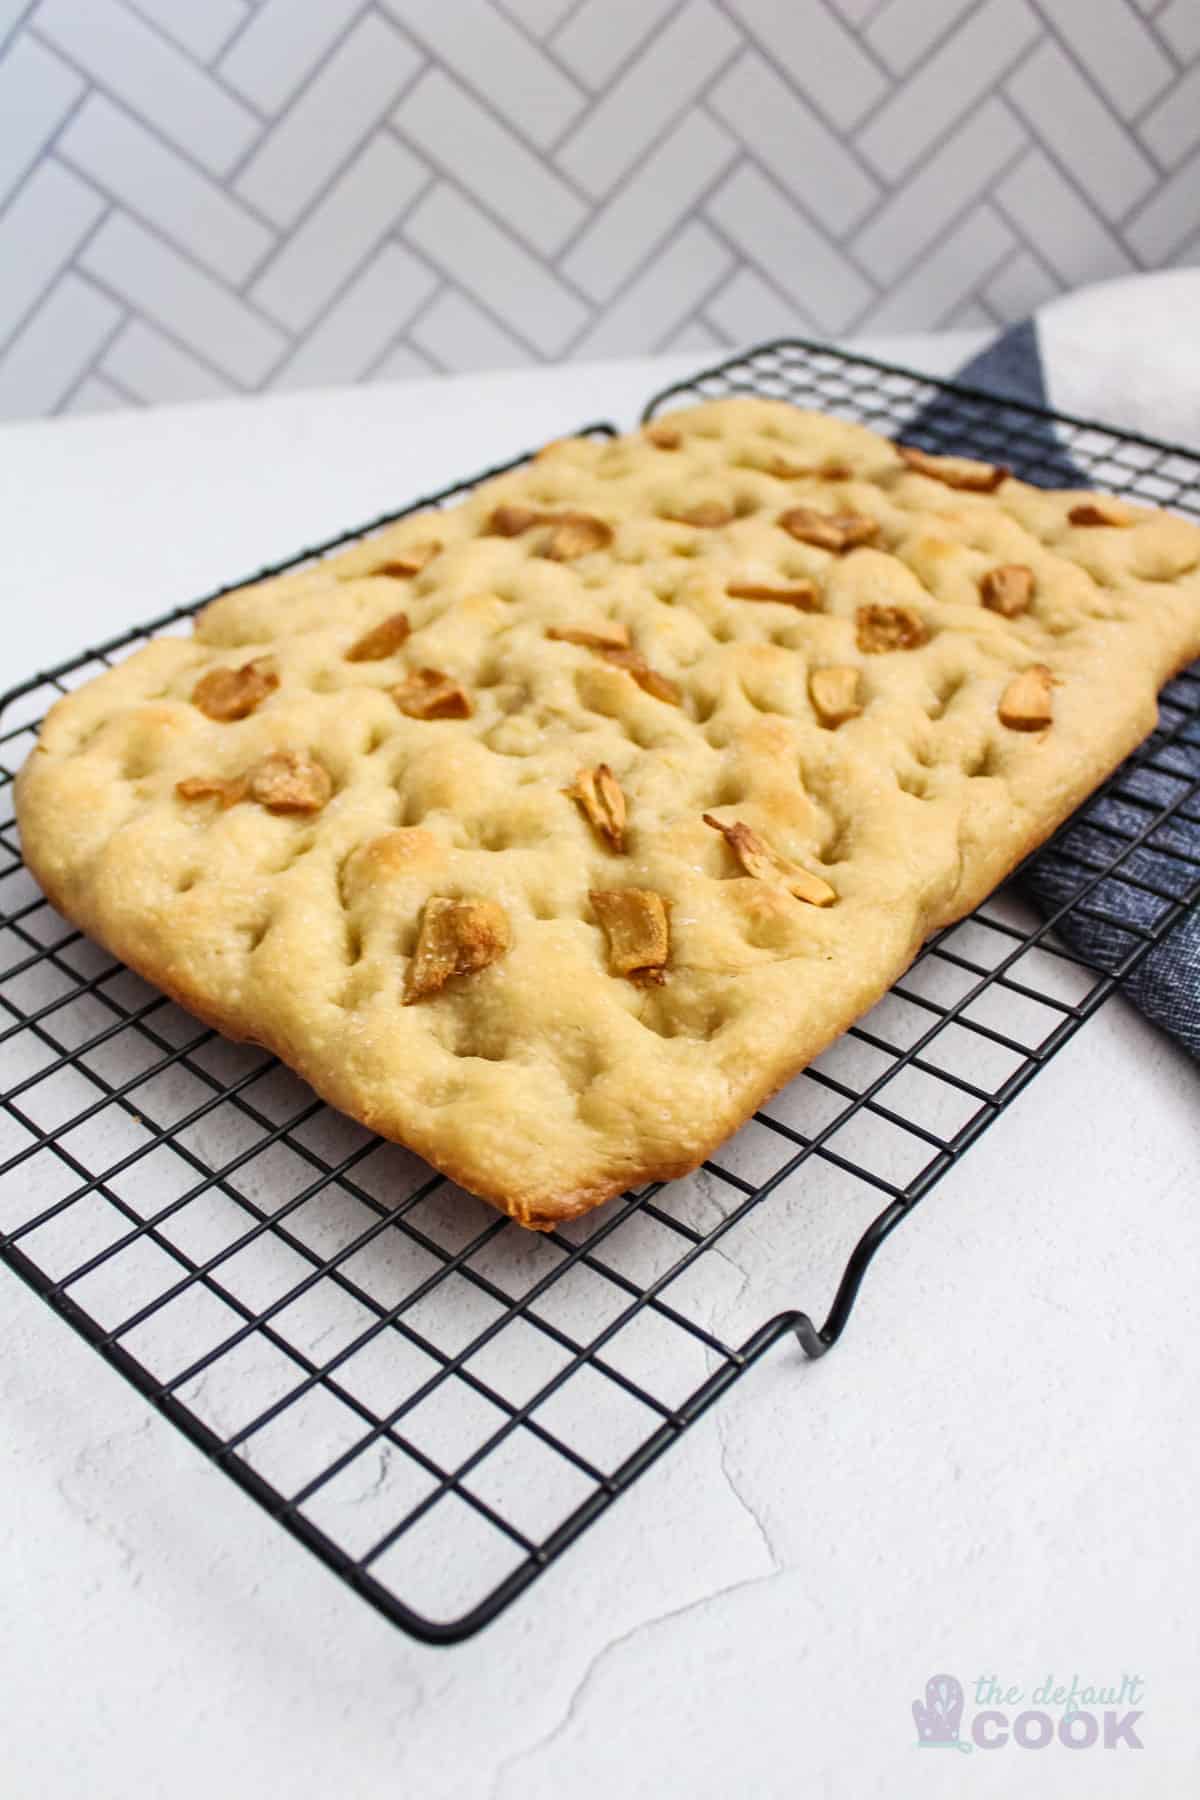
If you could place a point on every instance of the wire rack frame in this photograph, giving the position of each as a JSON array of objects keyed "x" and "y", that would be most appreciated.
[{"x": 435, "y": 1402}]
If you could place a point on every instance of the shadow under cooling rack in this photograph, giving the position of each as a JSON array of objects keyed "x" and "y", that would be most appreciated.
[{"x": 435, "y": 1401}]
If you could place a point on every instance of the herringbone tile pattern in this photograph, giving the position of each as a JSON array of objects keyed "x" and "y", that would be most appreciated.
[{"x": 201, "y": 198}]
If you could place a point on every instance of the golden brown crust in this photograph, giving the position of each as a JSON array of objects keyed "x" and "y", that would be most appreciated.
[{"x": 534, "y": 1074}]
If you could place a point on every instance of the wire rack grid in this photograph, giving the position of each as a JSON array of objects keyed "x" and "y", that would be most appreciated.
[{"x": 434, "y": 1401}]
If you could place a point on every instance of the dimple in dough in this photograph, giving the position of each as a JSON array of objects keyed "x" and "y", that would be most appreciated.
[{"x": 538, "y": 1077}]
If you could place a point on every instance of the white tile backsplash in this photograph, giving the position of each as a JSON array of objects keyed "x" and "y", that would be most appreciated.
[
  {"x": 148, "y": 365},
  {"x": 1056, "y": 220},
  {"x": 902, "y": 31},
  {"x": 56, "y": 347},
  {"x": 661, "y": 297},
  {"x": 460, "y": 239},
  {"x": 168, "y": 287},
  {"x": 823, "y": 59},
  {"x": 1056, "y": 99},
  {"x": 345, "y": 225},
  {"x": 127, "y": 58},
  {"x": 496, "y": 59},
  {"x": 600, "y": 35},
  {"x": 672, "y": 178},
  {"x": 949, "y": 86},
  {"x": 362, "y": 321},
  {"x": 111, "y": 148},
  {"x": 203, "y": 198},
  {"x": 768, "y": 229},
  {"x": 47, "y": 220},
  {"x": 442, "y": 122},
  {"x": 281, "y": 46},
  {"x": 339, "y": 108},
  {"x": 647, "y": 96},
  {"x": 918, "y": 214},
  {"x": 204, "y": 30},
  {"x": 37, "y": 91},
  {"x": 1119, "y": 51},
  {"x": 793, "y": 143}
]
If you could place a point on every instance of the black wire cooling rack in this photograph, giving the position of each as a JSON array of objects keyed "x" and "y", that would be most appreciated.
[{"x": 436, "y": 1402}]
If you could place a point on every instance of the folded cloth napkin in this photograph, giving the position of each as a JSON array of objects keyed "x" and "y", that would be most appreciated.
[{"x": 1126, "y": 353}]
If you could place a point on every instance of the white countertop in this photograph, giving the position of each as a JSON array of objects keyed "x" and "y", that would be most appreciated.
[{"x": 994, "y": 1473}]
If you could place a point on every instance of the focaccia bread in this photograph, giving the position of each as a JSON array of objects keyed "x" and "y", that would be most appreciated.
[{"x": 551, "y": 833}]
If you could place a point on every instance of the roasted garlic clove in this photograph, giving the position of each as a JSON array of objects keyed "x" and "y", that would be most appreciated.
[
  {"x": 598, "y": 792},
  {"x": 635, "y": 923},
  {"x": 1101, "y": 512},
  {"x": 289, "y": 781},
  {"x": 284, "y": 781},
  {"x": 881, "y": 628},
  {"x": 1027, "y": 703},
  {"x": 457, "y": 937},
  {"x": 805, "y": 596},
  {"x": 381, "y": 641},
  {"x": 228, "y": 694},
  {"x": 660, "y": 687},
  {"x": 826, "y": 471},
  {"x": 574, "y": 534},
  {"x": 1007, "y": 590},
  {"x": 834, "y": 693},
  {"x": 431, "y": 694},
  {"x": 212, "y": 787},
  {"x": 707, "y": 515},
  {"x": 409, "y": 561},
  {"x": 828, "y": 531},
  {"x": 962, "y": 472},
  {"x": 764, "y": 863},
  {"x": 611, "y": 635},
  {"x": 511, "y": 521}
]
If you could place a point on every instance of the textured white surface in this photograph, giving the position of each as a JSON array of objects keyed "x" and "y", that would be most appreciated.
[
  {"x": 572, "y": 178},
  {"x": 994, "y": 1473}
]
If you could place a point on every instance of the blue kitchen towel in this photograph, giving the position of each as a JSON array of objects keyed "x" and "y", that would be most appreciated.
[{"x": 1085, "y": 343}]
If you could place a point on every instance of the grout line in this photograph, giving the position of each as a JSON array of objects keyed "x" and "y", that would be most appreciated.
[
  {"x": 595, "y": 98},
  {"x": 93, "y": 368},
  {"x": 901, "y": 83},
  {"x": 664, "y": 245},
  {"x": 547, "y": 258},
  {"x": 227, "y": 380},
  {"x": 543, "y": 152},
  {"x": 1125, "y": 128},
  {"x": 238, "y": 32},
  {"x": 639, "y": 167},
  {"x": 298, "y": 337},
  {"x": 118, "y": 203},
  {"x": 285, "y": 235},
  {"x": 695, "y": 316},
  {"x": 193, "y": 61},
  {"x": 543, "y": 46},
  {"x": 284, "y": 107},
  {"x": 572, "y": 12},
  {"x": 148, "y": 125},
  {"x": 483, "y": 103},
  {"x": 805, "y": 320},
  {"x": 1024, "y": 249},
  {"x": 301, "y": 340},
  {"x": 976, "y": 201},
  {"x": 17, "y": 28},
  {"x": 693, "y": 215},
  {"x": 44, "y": 151},
  {"x": 66, "y": 267},
  {"x": 749, "y": 264},
  {"x": 402, "y": 340}
]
